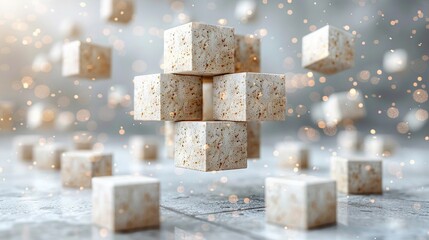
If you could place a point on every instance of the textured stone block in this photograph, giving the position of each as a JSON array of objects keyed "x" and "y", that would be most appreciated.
[
  {"x": 357, "y": 175},
  {"x": 292, "y": 154},
  {"x": 211, "y": 146},
  {"x": 380, "y": 145},
  {"x": 208, "y": 99},
  {"x": 301, "y": 202},
  {"x": 48, "y": 156},
  {"x": 169, "y": 128},
  {"x": 143, "y": 147},
  {"x": 119, "y": 11},
  {"x": 167, "y": 97},
  {"x": 247, "y": 53},
  {"x": 344, "y": 107},
  {"x": 199, "y": 49},
  {"x": 79, "y": 167},
  {"x": 253, "y": 140},
  {"x": 86, "y": 60},
  {"x": 350, "y": 141},
  {"x": 41, "y": 116},
  {"x": 123, "y": 203},
  {"x": 83, "y": 140},
  {"x": 6, "y": 116},
  {"x": 249, "y": 97},
  {"x": 328, "y": 50},
  {"x": 24, "y": 145}
]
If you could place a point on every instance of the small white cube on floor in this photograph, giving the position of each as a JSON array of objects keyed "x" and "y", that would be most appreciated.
[
  {"x": 48, "y": 156},
  {"x": 119, "y": 11},
  {"x": 301, "y": 202},
  {"x": 83, "y": 140},
  {"x": 292, "y": 154},
  {"x": 24, "y": 145},
  {"x": 143, "y": 147},
  {"x": 169, "y": 128},
  {"x": 357, "y": 175},
  {"x": 344, "y": 107},
  {"x": 123, "y": 203},
  {"x": 79, "y": 167},
  {"x": 350, "y": 141},
  {"x": 328, "y": 50},
  {"x": 380, "y": 145}
]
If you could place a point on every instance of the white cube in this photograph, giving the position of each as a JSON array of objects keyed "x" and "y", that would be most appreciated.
[
  {"x": 143, "y": 147},
  {"x": 344, "y": 107},
  {"x": 350, "y": 141},
  {"x": 48, "y": 156},
  {"x": 292, "y": 154},
  {"x": 119, "y": 11},
  {"x": 301, "y": 202},
  {"x": 380, "y": 145},
  {"x": 24, "y": 145},
  {"x": 122, "y": 203}
]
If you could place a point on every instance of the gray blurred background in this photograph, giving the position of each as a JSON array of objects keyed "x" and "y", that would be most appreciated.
[{"x": 30, "y": 29}]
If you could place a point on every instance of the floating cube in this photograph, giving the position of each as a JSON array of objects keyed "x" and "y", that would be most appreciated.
[
  {"x": 83, "y": 140},
  {"x": 247, "y": 53},
  {"x": 253, "y": 140},
  {"x": 211, "y": 146},
  {"x": 292, "y": 154},
  {"x": 6, "y": 116},
  {"x": 169, "y": 138},
  {"x": 380, "y": 145},
  {"x": 357, "y": 175},
  {"x": 48, "y": 156},
  {"x": 249, "y": 97},
  {"x": 24, "y": 145},
  {"x": 120, "y": 11},
  {"x": 350, "y": 141},
  {"x": 328, "y": 50},
  {"x": 301, "y": 202},
  {"x": 167, "y": 97},
  {"x": 199, "y": 49},
  {"x": 41, "y": 116},
  {"x": 208, "y": 99},
  {"x": 143, "y": 147},
  {"x": 86, "y": 60},
  {"x": 344, "y": 107},
  {"x": 79, "y": 167},
  {"x": 123, "y": 203}
]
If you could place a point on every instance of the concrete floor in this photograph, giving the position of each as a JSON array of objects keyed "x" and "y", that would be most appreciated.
[{"x": 195, "y": 205}]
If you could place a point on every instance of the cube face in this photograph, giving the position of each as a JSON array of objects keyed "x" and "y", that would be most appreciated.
[
  {"x": 356, "y": 175},
  {"x": 6, "y": 116},
  {"x": 249, "y": 97},
  {"x": 292, "y": 155},
  {"x": 24, "y": 145},
  {"x": 167, "y": 97},
  {"x": 253, "y": 140},
  {"x": 301, "y": 202},
  {"x": 344, "y": 106},
  {"x": 247, "y": 54},
  {"x": 211, "y": 146},
  {"x": 123, "y": 203},
  {"x": 48, "y": 156},
  {"x": 208, "y": 99},
  {"x": 328, "y": 50},
  {"x": 86, "y": 60},
  {"x": 79, "y": 167},
  {"x": 143, "y": 147},
  {"x": 199, "y": 49},
  {"x": 120, "y": 11}
]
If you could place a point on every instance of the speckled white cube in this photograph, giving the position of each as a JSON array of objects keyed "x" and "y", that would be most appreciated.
[
  {"x": 300, "y": 202},
  {"x": 6, "y": 116},
  {"x": 83, "y": 140},
  {"x": 211, "y": 146},
  {"x": 48, "y": 156},
  {"x": 24, "y": 145},
  {"x": 291, "y": 154},
  {"x": 79, "y": 167},
  {"x": 380, "y": 145},
  {"x": 349, "y": 141},
  {"x": 169, "y": 130},
  {"x": 208, "y": 99},
  {"x": 86, "y": 60},
  {"x": 344, "y": 107},
  {"x": 167, "y": 97},
  {"x": 199, "y": 49},
  {"x": 249, "y": 97},
  {"x": 143, "y": 147},
  {"x": 253, "y": 140},
  {"x": 357, "y": 175},
  {"x": 125, "y": 203},
  {"x": 328, "y": 50},
  {"x": 247, "y": 53},
  {"x": 118, "y": 11}
]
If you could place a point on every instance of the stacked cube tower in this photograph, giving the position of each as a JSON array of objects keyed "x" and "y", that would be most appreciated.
[{"x": 213, "y": 91}]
